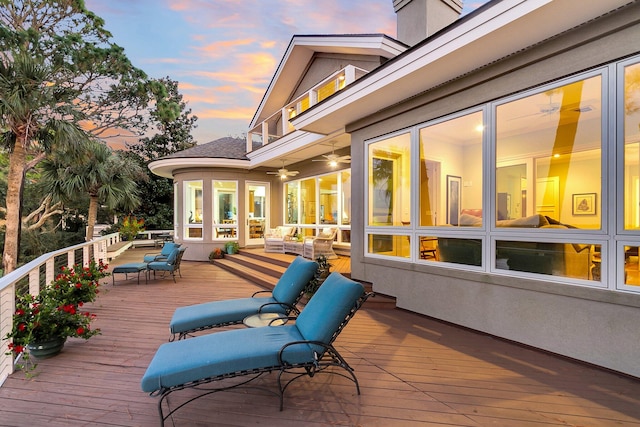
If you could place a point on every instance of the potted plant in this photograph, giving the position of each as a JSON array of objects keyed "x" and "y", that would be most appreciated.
[
  {"x": 130, "y": 227},
  {"x": 232, "y": 247},
  {"x": 42, "y": 323},
  {"x": 215, "y": 254},
  {"x": 322, "y": 272}
]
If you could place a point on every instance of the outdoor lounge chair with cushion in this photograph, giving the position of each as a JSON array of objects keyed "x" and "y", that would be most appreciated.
[
  {"x": 163, "y": 254},
  {"x": 283, "y": 299},
  {"x": 303, "y": 348},
  {"x": 170, "y": 265},
  {"x": 322, "y": 244},
  {"x": 275, "y": 238}
]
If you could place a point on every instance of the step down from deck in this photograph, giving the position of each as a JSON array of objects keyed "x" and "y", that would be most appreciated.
[{"x": 264, "y": 271}]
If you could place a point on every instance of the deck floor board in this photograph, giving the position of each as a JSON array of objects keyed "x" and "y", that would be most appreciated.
[{"x": 413, "y": 371}]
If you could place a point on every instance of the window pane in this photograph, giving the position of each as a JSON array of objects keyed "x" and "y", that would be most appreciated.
[
  {"x": 631, "y": 269},
  {"x": 391, "y": 245},
  {"x": 459, "y": 251},
  {"x": 548, "y": 148},
  {"x": 576, "y": 260},
  {"x": 389, "y": 181},
  {"x": 632, "y": 147},
  {"x": 328, "y": 199},
  {"x": 308, "y": 202},
  {"x": 291, "y": 213},
  {"x": 346, "y": 197},
  {"x": 225, "y": 209},
  {"x": 193, "y": 209},
  {"x": 193, "y": 201},
  {"x": 451, "y": 171}
]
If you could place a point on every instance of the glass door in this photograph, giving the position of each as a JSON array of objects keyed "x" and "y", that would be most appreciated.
[{"x": 257, "y": 215}]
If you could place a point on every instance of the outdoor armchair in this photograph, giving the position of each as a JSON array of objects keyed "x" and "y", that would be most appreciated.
[
  {"x": 163, "y": 254},
  {"x": 322, "y": 244},
  {"x": 275, "y": 238},
  {"x": 214, "y": 314},
  {"x": 300, "y": 349},
  {"x": 171, "y": 265}
]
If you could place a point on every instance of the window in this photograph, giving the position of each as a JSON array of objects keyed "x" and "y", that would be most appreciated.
[
  {"x": 548, "y": 185},
  {"x": 308, "y": 201},
  {"x": 549, "y": 156},
  {"x": 225, "y": 209},
  {"x": 193, "y": 209},
  {"x": 330, "y": 87},
  {"x": 389, "y": 181},
  {"x": 632, "y": 147},
  {"x": 328, "y": 212},
  {"x": 450, "y": 184},
  {"x": 292, "y": 190}
]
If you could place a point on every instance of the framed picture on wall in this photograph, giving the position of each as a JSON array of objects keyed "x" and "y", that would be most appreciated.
[
  {"x": 584, "y": 204},
  {"x": 454, "y": 188}
]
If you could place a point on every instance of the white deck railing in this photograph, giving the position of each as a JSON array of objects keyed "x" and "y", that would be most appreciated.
[{"x": 36, "y": 274}]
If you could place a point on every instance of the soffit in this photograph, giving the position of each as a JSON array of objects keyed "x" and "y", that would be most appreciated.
[{"x": 497, "y": 31}]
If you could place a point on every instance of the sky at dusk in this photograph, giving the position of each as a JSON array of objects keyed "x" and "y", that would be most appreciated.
[{"x": 223, "y": 53}]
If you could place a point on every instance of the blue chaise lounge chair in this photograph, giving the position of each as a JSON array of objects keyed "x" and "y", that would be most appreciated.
[
  {"x": 170, "y": 265},
  {"x": 284, "y": 297},
  {"x": 164, "y": 253},
  {"x": 301, "y": 348}
]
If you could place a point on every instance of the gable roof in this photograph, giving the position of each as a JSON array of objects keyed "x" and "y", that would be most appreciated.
[{"x": 300, "y": 52}]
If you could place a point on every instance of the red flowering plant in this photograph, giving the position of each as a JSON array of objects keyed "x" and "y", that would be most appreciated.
[{"x": 56, "y": 312}]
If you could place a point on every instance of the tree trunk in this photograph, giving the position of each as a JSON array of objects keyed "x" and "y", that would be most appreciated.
[
  {"x": 92, "y": 216},
  {"x": 15, "y": 180}
]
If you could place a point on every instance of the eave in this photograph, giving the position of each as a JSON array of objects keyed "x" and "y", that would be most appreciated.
[{"x": 500, "y": 29}]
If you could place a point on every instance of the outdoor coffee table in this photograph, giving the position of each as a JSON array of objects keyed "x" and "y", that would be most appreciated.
[
  {"x": 130, "y": 268},
  {"x": 265, "y": 319}
]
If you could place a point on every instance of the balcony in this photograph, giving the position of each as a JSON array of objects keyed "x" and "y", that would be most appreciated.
[
  {"x": 277, "y": 125},
  {"x": 413, "y": 371}
]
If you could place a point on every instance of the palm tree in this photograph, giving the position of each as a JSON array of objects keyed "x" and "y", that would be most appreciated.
[
  {"x": 107, "y": 178},
  {"x": 30, "y": 124}
]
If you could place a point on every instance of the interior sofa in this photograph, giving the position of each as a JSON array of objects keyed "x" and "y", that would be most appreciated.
[{"x": 561, "y": 259}]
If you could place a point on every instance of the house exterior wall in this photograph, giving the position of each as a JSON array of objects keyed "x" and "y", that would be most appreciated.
[
  {"x": 594, "y": 325},
  {"x": 199, "y": 249}
]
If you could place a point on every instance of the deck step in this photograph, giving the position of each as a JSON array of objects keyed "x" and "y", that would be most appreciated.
[
  {"x": 265, "y": 269},
  {"x": 267, "y": 281}
]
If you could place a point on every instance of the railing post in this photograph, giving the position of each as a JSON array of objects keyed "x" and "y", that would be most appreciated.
[
  {"x": 34, "y": 281},
  {"x": 7, "y": 308},
  {"x": 49, "y": 267},
  {"x": 71, "y": 258},
  {"x": 265, "y": 133}
]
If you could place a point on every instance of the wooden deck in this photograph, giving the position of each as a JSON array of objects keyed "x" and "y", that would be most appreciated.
[{"x": 413, "y": 371}]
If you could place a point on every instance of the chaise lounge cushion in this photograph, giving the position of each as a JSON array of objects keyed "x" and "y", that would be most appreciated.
[
  {"x": 289, "y": 287},
  {"x": 217, "y": 312},
  {"x": 206, "y": 356}
]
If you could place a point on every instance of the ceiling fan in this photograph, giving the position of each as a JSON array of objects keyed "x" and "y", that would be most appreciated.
[
  {"x": 283, "y": 172},
  {"x": 334, "y": 158}
]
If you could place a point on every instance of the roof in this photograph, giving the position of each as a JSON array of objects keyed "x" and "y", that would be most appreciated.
[
  {"x": 222, "y": 148},
  {"x": 224, "y": 152}
]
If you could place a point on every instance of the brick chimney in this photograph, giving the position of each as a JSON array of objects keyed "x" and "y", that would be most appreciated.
[{"x": 418, "y": 19}]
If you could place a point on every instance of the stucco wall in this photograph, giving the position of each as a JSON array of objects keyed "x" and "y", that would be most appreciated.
[{"x": 594, "y": 325}]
